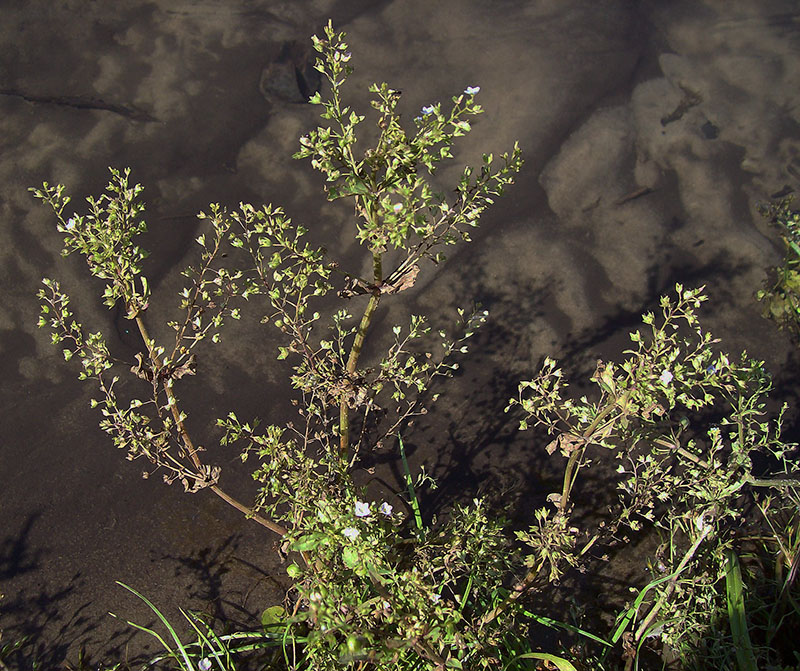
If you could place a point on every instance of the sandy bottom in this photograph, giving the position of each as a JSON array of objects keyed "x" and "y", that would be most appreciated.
[{"x": 651, "y": 130}]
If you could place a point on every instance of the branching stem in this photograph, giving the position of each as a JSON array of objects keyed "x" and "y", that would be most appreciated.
[
  {"x": 191, "y": 451},
  {"x": 573, "y": 463},
  {"x": 651, "y": 615}
]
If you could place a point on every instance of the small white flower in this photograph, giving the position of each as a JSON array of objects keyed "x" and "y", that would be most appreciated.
[
  {"x": 397, "y": 207},
  {"x": 428, "y": 109},
  {"x": 362, "y": 509},
  {"x": 204, "y": 664},
  {"x": 472, "y": 90},
  {"x": 436, "y": 598},
  {"x": 666, "y": 377},
  {"x": 70, "y": 223},
  {"x": 385, "y": 509},
  {"x": 350, "y": 533}
]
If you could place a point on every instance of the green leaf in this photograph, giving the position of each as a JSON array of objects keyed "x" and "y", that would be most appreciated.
[
  {"x": 561, "y": 663},
  {"x": 411, "y": 492},
  {"x": 309, "y": 542},
  {"x": 350, "y": 557},
  {"x": 274, "y": 615},
  {"x": 745, "y": 658},
  {"x": 355, "y": 186}
]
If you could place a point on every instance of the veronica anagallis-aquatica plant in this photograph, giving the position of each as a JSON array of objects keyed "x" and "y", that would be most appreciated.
[{"x": 370, "y": 587}]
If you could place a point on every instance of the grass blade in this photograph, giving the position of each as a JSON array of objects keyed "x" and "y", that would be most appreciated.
[
  {"x": 203, "y": 641},
  {"x": 411, "y": 491},
  {"x": 561, "y": 663},
  {"x": 555, "y": 624},
  {"x": 186, "y": 662},
  {"x": 745, "y": 657},
  {"x": 627, "y": 617}
]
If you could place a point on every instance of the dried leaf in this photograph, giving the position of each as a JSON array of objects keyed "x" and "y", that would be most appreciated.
[
  {"x": 187, "y": 368},
  {"x": 405, "y": 281},
  {"x": 142, "y": 369},
  {"x": 569, "y": 443},
  {"x": 566, "y": 443},
  {"x": 354, "y": 286}
]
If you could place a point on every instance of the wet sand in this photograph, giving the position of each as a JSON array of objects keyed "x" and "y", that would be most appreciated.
[{"x": 651, "y": 130}]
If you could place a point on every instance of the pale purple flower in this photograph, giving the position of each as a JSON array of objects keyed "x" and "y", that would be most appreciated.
[
  {"x": 397, "y": 208},
  {"x": 204, "y": 664},
  {"x": 385, "y": 509},
  {"x": 472, "y": 90},
  {"x": 350, "y": 533},
  {"x": 428, "y": 109},
  {"x": 70, "y": 223},
  {"x": 436, "y": 598},
  {"x": 362, "y": 509},
  {"x": 666, "y": 377}
]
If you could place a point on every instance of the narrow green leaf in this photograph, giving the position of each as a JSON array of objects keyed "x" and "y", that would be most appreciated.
[
  {"x": 411, "y": 492},
  {"x": 745, "y": 657},
  {"x": 561, "y": 663},
  {"x": 166, "y": 623}
]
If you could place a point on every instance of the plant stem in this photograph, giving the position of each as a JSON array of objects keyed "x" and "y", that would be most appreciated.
[
  {"x": 573, "y": 463},
  {"x": 516, "y": 592},
  {"x": 191, "y": 450},
  {"x": 420, "y": 646},
  {"x": 263, "y": 521},
  {"x": 355, "y": 353},
  {"x": 570, "y": 474},
  {"x": 651, "y": 615}
]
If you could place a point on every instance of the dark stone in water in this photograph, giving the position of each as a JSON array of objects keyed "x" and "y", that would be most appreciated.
[
  {"x": 710, "y": 131},
  {"x": 291, "y": 77}
]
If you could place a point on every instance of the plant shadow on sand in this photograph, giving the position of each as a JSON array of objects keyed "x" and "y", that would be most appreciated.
[{"x": 36, "y": 628}]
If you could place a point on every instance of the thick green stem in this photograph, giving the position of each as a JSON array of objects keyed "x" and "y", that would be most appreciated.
[
  {"x": 573, "y": 463},
  {"x": 355, "y": 352}
]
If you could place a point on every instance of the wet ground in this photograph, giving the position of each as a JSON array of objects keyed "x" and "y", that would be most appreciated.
[{"x": 650, "y": 130}]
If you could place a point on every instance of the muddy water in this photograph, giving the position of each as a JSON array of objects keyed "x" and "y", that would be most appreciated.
[{"x": 650, "y": 129}]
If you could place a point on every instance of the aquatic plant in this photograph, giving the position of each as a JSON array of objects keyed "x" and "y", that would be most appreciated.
[
  {"x": 379, "y": 584},
  {"x": 781, "y": 294}
]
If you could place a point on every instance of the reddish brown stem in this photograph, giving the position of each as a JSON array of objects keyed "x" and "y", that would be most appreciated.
[{"x": 191, "y": 450}]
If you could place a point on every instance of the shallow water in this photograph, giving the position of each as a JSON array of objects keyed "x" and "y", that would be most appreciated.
[{"x": 650, "y": 131}]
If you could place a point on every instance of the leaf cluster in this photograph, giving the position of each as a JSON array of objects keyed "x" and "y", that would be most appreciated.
[
  {"x": 685, "y": 424},
  {"x": 781, "y": 293}
]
